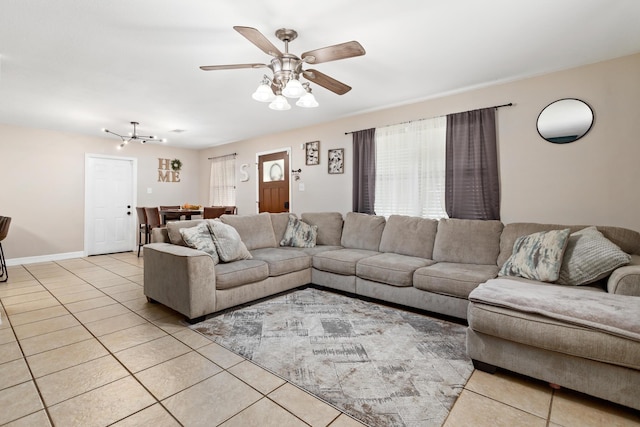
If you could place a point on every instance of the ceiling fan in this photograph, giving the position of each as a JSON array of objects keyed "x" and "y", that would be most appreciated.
[{"x": 287, "y": 68}]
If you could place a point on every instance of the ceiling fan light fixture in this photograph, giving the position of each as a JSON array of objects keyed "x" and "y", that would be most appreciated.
[
  {"x": 307, "y": 101},
  {"x": 293, "y": 89},
  {"x": 263, "y": 93},
  {"x": 280, "y": 103}
]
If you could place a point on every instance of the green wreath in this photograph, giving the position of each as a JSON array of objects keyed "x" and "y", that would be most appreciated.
[{"x": 176, "y": 164}]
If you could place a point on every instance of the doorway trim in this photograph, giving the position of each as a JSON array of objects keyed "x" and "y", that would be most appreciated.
[
  {"x": 134, "y": 192},
  {"x": 262, "y": 153}
]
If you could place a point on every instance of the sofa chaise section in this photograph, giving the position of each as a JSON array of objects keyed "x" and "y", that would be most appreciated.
[{"x": 586, "y": 338}]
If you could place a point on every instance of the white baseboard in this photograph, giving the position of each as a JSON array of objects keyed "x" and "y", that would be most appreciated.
[{"x": 44, "y": 258}]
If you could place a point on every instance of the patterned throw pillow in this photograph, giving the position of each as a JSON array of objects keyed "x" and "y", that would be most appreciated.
[
  {"x": 227, "y": 241},
  {"x": 199, "y": 237},
  {"x": 590, "y": 257},
  {"x": 299, "y": 234},
  {"x": 537, "y": 256}
]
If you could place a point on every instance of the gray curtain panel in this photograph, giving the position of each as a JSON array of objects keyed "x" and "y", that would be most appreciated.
[
  {"x": 364, "y": 171},
  {"x": 472, "y": 188}
]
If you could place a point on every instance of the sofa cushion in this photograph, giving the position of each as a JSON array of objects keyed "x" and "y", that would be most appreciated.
[
  {"x": 391, "y": 269},
  {"x": 199, "y": 237},
  {"x": 234, "y": 274},
  {"x": 329, "y": 226},
  {"x": 589, "y": 257},
  {"x": 227, "y": 241},
  {"x": 412, "y": 236},
  {"x": 453, "y": 279},
  {"x": 256, "y": 231},
  {"x": 317, "y": 249},
  {"x": 173, "y": 230},
  {"x": 342, "y": 261},
  {"x": 282, "y": 261},
  {"x": 537, "y": 256},
  {"x": 362, "y": 231},
  {"x": 279, "y": 221},
  {"x": 299, "y": 234},
  {"x": 468, "y": 241}
]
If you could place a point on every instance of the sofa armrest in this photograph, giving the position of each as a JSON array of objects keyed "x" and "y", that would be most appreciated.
[
  {"x": 625, "y": 281},
  {"x": 181, "y": 278}
]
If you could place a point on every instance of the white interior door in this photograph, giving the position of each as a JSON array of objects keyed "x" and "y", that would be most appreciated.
[{"x": 110, "y": 215}]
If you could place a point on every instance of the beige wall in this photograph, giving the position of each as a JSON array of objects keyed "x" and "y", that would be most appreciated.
[
  {"x": 42, "y": 177},
  {"x": 591, "y": 181}
]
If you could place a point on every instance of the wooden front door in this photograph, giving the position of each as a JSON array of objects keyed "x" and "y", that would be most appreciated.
[{"x": 273, "y": 182}]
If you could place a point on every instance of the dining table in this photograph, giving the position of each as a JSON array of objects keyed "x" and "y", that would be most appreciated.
[{"x": 186, "y": 213}]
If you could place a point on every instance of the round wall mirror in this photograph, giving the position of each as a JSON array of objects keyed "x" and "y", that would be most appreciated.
[{"x": 565, "y": 120}]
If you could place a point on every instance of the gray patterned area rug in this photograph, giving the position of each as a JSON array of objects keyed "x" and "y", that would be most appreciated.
[{"x": 381, "y": 365}]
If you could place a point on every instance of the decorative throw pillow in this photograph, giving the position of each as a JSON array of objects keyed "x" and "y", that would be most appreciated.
[
  {"x": 299, "y": 234},
  {"x": 590, "y": 257},
  {"x": 537, "y": 256},
  {"x": 227, "y": 242},
  {"x": 199, "y": 237}
]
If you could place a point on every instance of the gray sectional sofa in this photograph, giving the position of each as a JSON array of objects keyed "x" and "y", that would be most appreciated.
[{"x": 450, "y": 267}]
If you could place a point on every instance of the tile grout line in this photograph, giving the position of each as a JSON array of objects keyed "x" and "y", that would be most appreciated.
[
  {"x": 24, "y": 358},
  {"x": 45, "y": 406}
]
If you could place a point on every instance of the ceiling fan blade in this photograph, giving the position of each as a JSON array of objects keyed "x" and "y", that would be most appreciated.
[
  {"x": 231, "y": 67},
  {"x": 326, "y": 82},
  {"x": 333, "y": 53},
  {"x": 258, "y": 39}
]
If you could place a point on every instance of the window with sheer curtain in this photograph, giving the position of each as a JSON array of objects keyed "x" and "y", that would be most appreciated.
[
  {"x": 410, "y": 169},
  {"x": 222, "y": 184}
]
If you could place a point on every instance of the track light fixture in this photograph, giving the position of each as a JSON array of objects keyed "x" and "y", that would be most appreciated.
[{"x": 133, "y": 136}]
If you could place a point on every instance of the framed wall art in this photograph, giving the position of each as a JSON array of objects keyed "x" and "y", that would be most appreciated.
[
  {"x": 336, "y": 160},
  {"x": 312, "y": 153}
]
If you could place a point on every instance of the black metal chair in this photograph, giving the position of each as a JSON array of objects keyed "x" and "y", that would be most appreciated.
[
  {"x": 5, "y": 221},
  {"x": 143, "y": 228}
]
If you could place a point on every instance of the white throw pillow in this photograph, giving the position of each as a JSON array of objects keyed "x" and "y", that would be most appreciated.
[
  {"x": 299, "y": 234},
  {"x": 227, "y": 241},
  {"x": 199, "y": 238},
  {"x": 537, "y": 256},
  {"x": 590, "y": 257}
]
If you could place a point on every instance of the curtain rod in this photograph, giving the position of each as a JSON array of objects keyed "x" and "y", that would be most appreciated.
[
  {"x": 219, "y": 157},
  {"x": 495, "y": 106}
]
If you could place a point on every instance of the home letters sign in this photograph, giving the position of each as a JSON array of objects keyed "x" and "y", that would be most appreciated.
[{"x": 166, "y": 173}]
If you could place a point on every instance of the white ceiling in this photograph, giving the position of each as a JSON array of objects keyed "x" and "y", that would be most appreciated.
[{"x": 83, "y": 65}]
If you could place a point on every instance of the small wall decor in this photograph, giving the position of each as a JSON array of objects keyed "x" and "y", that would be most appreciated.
[
  {"x": 167, "y": 172},
  {"x": 336, "y": 160},
  {"x": 312, "y": 151},
  {"x": 244, "y": 173}
]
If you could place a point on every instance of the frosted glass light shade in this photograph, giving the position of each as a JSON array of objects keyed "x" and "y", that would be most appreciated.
[
  {"x": 293, "y": 89},
  {"x": 263, "y": 94},
  {"x": 307, "y": 101},
  {"x": 280, "y": 103}
]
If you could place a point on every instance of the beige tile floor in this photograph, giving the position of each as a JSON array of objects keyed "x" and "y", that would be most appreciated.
[{"x": 80, "y": 346}]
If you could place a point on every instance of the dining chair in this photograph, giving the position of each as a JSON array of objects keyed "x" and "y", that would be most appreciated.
[
  {"x": 171, "y": 217},
  {"x": 231, "y": 210},
  {"x": 153, "y": 219},
  {"x": 211, "y": 212},
  {"x": 143, "y": 228},
  {"x": 4, "y": 230}
]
